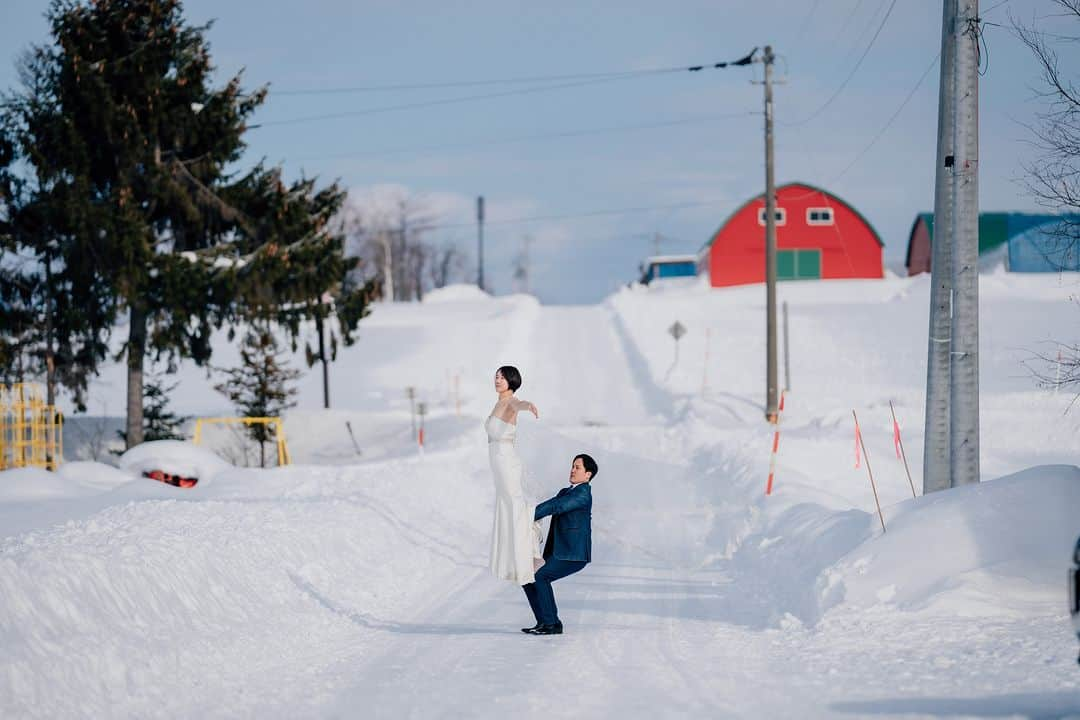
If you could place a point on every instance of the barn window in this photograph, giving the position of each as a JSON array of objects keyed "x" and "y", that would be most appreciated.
[
  {"x": 819, "y": 216},
  {"x": 781, "y": 216}
]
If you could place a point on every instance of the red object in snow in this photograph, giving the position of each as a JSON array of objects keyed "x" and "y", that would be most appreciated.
[
  {"x": 170, "y": 479},
  {"x": 818, "y": 236}
]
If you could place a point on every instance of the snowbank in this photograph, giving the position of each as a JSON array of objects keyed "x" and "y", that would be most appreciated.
[
  {"x": 456, "y": 293},
  {"x": 999, "y": 547},
  {"x": 175, "y": 457},
  {"x": 23, "y": 485}
]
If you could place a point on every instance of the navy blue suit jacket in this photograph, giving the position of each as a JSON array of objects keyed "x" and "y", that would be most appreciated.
[{"x": 570, "y": 536}]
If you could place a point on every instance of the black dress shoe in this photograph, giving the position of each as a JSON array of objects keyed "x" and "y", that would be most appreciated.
[
  {"x": 555, "y": 629},
  {"x": 537, "y": 626}
]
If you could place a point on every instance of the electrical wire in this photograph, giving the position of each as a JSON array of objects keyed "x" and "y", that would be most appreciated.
[
  {"x": 528, "y": 138},
  {"x": 884, "y": 128},
  {"x": 889, "y": 122},
  {"x": 851, "y": 74},
  {"x": 430, "y": 103},
  {"x": 568, "y": 216},
  {"x": 847, "y": 22},
  {"x": 806, "y": 21},
  {"x": 629, "y": 75},
  {"x": 529, "y": 79}
]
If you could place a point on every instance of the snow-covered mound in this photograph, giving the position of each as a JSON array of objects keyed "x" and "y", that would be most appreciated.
[
  {"x": 995, "y": 548},
  {"x": 456, "y": 293},
  {"x": 175, "y": 457},
  {"x": 29, "y": 484}
]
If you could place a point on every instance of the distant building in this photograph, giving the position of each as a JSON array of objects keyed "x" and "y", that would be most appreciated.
[
  {"x": 668, "y": 266},
  {"x": 1026, "y": 242},
  {"x": 818, "y": 236}
]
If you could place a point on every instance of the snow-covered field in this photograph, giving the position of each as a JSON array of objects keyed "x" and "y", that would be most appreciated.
[{"x": 353, "y": 585}]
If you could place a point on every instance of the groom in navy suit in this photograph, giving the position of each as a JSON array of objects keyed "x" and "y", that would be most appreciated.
[{"x": 569, "y": 544}]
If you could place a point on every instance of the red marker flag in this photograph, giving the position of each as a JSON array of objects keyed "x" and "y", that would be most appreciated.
[
  {"x": 857, "y": 445},
  {"x": 896, "y": 436}
]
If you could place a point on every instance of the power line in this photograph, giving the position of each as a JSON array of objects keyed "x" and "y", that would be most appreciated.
[
  {"x": 568, "y": 216},
  {"x": 806, "y": 20},
  {"x": 890, "y": 121},
  {"x": 528, "y": 138},
  {"x": 746, "y": 60},
  {"x": 881, "y": 131},
  {"x": 429, "y": 103},
  {"x": 528, "y": 79},
  {"x": 854, "y": 70},
  {"x": 847, "y": 21}
]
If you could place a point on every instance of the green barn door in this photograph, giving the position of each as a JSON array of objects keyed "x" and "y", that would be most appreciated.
[
  {"x": 798, "y": 264},
  {"x": 808, "y": 264}
]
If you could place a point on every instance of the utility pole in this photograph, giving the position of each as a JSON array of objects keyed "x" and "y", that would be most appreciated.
[
  {"x": 410, "y": 392},
  {"x": 964, "y": 371},
  {"x": 937, "y": 473},
  {"x": 787, "y": 354},
  {"x": 388, "y": 264},
  {"x": 480, "y": 241},
  {"x": 521, "y": 266},
  {"x": 770, "y": 246}
]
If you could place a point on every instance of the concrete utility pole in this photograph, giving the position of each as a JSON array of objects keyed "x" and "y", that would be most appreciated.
[
  {"x": 480, "y": 241},
  {"x": 964, "y": 385},
  {"x": 770, "y": 246},
  {"x": 936, "y": 461}
]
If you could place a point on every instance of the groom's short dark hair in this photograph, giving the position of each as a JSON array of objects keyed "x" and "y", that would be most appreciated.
[
  {"x": 512, "y": 376},
  {"x": 589, "y": 463}
]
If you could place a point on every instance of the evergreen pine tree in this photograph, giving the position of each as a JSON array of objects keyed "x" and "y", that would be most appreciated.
[
  {"x": 129, "y": 143},
  {"x": 55, "y": 307},
  {"x": 263, "y": 384},
  {"x": 135, "y": 142}
]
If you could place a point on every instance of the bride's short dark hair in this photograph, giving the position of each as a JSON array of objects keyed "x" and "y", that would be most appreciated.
[
  {"x": 511, "y": 376},
  {"x": 590, "y": 465}
]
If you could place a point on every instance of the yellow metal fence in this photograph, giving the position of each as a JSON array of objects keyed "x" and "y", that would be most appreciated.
[
  {"x": 31, "y": 432},
  {"x": 274, "y": 423}
]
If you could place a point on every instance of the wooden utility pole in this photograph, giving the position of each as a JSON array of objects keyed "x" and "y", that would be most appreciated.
[
  {"x": 480, "y": 242},
  {"x": 787, "y": 352},
  {"x": 770, "y": 247}
]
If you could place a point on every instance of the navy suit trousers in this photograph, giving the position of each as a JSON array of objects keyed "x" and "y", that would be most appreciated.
[{"x": 541, "y": 597}]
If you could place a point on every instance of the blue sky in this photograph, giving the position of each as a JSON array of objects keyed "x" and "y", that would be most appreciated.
[{"x": 702, "y": 148}]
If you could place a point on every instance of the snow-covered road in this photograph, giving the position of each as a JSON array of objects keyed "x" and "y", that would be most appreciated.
[{"x": 356, "y": 586}]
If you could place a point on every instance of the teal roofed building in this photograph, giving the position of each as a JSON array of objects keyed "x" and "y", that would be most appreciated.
[{"x": 1025, "y": 242}]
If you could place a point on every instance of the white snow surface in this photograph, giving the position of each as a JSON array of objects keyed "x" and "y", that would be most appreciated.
[{"x": 354, "y": 582}]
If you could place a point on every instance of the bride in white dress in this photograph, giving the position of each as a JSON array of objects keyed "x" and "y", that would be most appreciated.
[{"x": 515, "y": 552}]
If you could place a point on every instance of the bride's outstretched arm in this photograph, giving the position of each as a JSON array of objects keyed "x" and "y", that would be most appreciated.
[{"x": 526, "y": 405}]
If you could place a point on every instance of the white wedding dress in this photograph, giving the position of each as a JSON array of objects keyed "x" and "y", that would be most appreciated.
[{"x": 514, "y": 535}]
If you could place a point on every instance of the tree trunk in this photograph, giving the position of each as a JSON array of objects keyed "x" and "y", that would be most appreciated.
[
  {"x": 322, "y": 359},
  {"x": 50, "y": 357},
  {"x": 262, "y": 453},
  {"x": 136, "y": 350}
]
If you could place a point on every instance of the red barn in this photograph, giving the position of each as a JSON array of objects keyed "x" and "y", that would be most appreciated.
[{"x": 818, "y": 235}]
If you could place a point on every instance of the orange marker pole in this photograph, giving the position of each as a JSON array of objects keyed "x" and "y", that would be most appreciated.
[
  {"x": 900, "y": 447},
  {"x": 873, "y": 486},
  {"x": 775, "y": 445}
]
